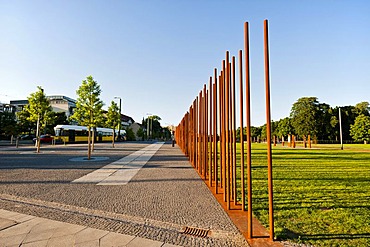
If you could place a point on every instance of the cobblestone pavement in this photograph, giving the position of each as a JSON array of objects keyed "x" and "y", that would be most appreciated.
[{"x": 163, "y": 198}]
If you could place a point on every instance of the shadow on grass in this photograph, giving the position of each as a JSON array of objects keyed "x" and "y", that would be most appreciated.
[{"x": 287, "y": 234}]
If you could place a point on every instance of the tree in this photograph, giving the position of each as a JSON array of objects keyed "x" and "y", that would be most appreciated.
[
  {"x": 38, "y": 111},
  {"x": 256, "y": 132},
  {"x": 140, "y": 133},
  {"x": 360, "y": 130},
  {"x": 285, "y": 127},
  {"x": 304, "y": 114},
  {"x": 8, "y": 125},
  {"x": 154, "y": 128},
  {"x": 113, "y": 118},
  {"x": 60, "y": 118},
  {"x": 362, "y": 108},
  {"x": 348, "y": 118},
  {"x": 24, "y": 125},
  {"x": 323, "y": 119},
  {"x": 88, "y": 110},
  {"x": 130, "y": 135}
]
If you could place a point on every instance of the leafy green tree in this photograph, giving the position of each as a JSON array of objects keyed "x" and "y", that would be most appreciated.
[
  {"x": 274, "y": 129},
  {"x": 140, "y": 133},
  {"x": 113, "y": 118},
  {"x": 38, "y": 111},
  {"x": 263, "y": 132},
  {"x": 285, "y": 127},
  {"x": 360, "y": 130},
  {"x": 323, "y": 118},
  {"x": 24, "y": 125},
  {"x": 334, "y": 123},
  {"x": 304, "y": 115},
  {"x": 8, "y": 125},
  {"x": 60, "y": 118},
  {"x": 348, "y": 118},
  {"x": 256, "y": 132},
  {"x": 130, "y": 135},
  {"x": 154, "y": 126},
  {"x": 362, "y": 108},
  {"x": 88, "y": 110}
]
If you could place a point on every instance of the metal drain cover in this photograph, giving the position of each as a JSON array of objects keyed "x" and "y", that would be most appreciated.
[{"x": 196, "y": 232}]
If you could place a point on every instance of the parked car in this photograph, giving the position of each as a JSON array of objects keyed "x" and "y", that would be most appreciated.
[
  {"x": 44, "y": 139},
  {"x": 27, "y": 137}
]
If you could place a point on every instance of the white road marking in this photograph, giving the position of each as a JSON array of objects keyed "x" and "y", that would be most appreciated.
[{"x": 123, "y": 170}]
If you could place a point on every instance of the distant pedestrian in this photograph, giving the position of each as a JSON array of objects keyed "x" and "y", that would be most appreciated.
[{"x": 173, "y": 139}]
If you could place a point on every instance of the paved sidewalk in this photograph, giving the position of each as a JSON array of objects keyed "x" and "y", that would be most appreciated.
[
  {"x": 154, "y": 208},
  {"x": 25, "y": 230}
]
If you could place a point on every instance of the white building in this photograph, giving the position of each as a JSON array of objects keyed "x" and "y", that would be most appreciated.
[{"x": 59, "y": 103}]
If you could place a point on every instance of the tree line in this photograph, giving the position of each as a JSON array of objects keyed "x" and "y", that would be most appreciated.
[{"x": 321, "y": 121}]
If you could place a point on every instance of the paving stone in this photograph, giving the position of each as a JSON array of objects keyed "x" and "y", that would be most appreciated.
[
  {"x": 38, "y": 236},
  {"x": 92, "y": 243},
  {"x": 5, "y": 223},
  {"x": 21, "y": 228},
  {"x": 169, "y": 245},
  {"x": 62, "y": 241},
  {"x": 140, "y": 242},
  {"x": 89, "y": 234},
  {"x": 115, "y": 239},
  {"x": 21, "y": 217},
  {"x": 68, "y": 229},
  {"x": 12, "y": 240}
]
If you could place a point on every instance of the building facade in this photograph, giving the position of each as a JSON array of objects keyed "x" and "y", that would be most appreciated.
[{"x": 59, "y": 103}]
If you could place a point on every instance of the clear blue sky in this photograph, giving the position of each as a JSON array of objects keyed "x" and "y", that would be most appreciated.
[{"x": 156, "y": 55}]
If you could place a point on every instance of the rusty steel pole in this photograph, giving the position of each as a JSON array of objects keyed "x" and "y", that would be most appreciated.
[
  {"x": 215, "y": 147},
  {"x": 223, "y": 129},
  {"x": 217, "y": 126},
  {"x": 227, "y": 128},
  {"x": 191, "y": 134},
  {"x": 242, "y": 176},
  {"x": 204, "y": 155},
  {"x": 234, "y": 129},
  {"x": 248, "y": 127},
  {"x": 205, "y": 105},
  {"x": 194, "y": 133},
  {"x": 197, "y": 133},
  {"x": 221, "y": 109},
  {"x": 231, "y": 154},
  {"x": 210, "y": 132},
  {"x": 229, "y": 133},
  {"x": 268, "y": 130}
]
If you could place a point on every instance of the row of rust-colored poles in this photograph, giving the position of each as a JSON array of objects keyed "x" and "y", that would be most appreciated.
[{"x": 207, "y": 133}]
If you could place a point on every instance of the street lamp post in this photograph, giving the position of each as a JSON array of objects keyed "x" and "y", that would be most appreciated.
[
  {"x": 120, "y": 120},
  {"x": 149, "y": 129},
  {"x": 340, "y": 129}
]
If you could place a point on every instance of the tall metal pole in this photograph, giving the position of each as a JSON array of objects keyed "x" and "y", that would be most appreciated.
[
  {"x": 215, "y": 161},
  {"x": 268, "y": 130},
  {"x": 120, "y": 119},
  {"x": 248, "y": 127},
  {"x": 227, "y": 128},
  {"x": 210, "y": 132},
  {"x": 242, "y": 175},
  {"x": 233, "y": 104},
  {"x": 205, "y": 124},
  {"x": 147, "y": 129},
  {"x": 340, "y": 129},
  {"x": 223, "y": 129}
]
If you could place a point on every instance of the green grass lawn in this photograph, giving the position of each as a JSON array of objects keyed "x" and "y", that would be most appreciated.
[{"x": 321, "y": 195}]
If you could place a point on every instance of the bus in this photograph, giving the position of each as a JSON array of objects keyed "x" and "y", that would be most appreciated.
[{"x": 75, "y": 133}]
